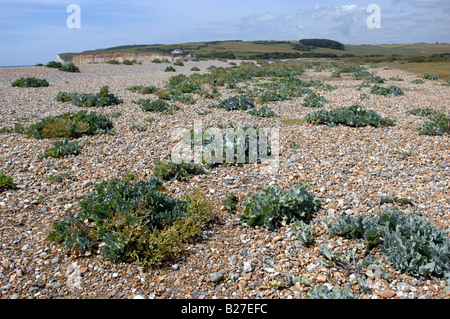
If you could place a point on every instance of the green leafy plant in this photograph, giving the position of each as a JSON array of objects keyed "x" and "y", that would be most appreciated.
[
  {"x": 302, "y": 231},
  {"x": 142, "y": 89},
  {"x": 127, "y": 62},
  {"x": 437, "y": 124},
  {"x": 70, "y": 125},
  {"x": 322, "y": 292},
  {"x": 230, "y": 202},
  {"x": 30, "y": 82},
  {"x": 409, "y": 243},
  {"x": 132, "y": 222},
  {"x": 70, "y": 68},
  {"x": 176, "y": 171},
  {"x": 195, "y": 69},
  {"x": 113, "y": 61},
  {"x": 156, "y": 60},
  {"x": 178, "y": 62},
  {"x": 354, "y": 115},
  {"x": 314, "y": 100},
  {"x": 417, "y": 81},
  {"x": 54, "y": 64},
  {"x": 169, "y": 69},
  {"x": 101, "y": 99},
  {"x": 274, "y": 207},
  {"x": 6, "y": 182},
  {"x": 236, "y": 103},
  {"x": 263, "y": 111},
  {"x": 422, "y": 111},
  {"x": 156, "y": 105},
  {"x": 427, "y": 76},
  {"x": 62, "y": 148},
  {"x": 389, "y": 92}
]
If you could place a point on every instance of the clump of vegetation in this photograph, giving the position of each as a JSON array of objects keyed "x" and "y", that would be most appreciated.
[
  {"x": 423, "y": 111},
  {"x": 113, "y": 61},
  {"x": 133, "y": 222},
  {"x": 127, "y": 62},
  {"x": 156, "y": 105},
  {"x": 69, "y": 125},
  {"x": 140, "y": 128},
  {"x": 169, "y": 69},
  {"x": 426, "y": 76},
  {"x": 178, "y": 62},
  {"x": 54, "y": 65},
  {"x": 231, "y": 202},
  {"x": 142, "y": 89},
  {"x": 314, "y": 100},
  {"x": 195, "y": 68},
  {"x": 275, "y": 207},
  {"x": 354, "y": 116},
  {"x": 389, "y": 92},
  {"x": 101, "y": 99},
  {"x": 263, "y": 111},
  {"x": 437, "y": 124},
  {"x": 61, "y": 148},
  {"x": 236, "y": 103},
  {"x": 322, "y": 292},
  {"x": 70, "y": 68},
  {"x": 409, "y": 243},
  {"x": 176, "y": 171},
  {"x": 30, "y": 82},
  {"x": 156, "y": 60},
  {"x": 417, "y": 81},
  {"x": 6, "y": 181}
]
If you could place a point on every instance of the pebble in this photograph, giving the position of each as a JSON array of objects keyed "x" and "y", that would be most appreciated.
[{"x": 216, "y": 276}]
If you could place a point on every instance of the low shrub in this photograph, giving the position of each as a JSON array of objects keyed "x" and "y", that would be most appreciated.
[
  {"x": 176, "y": 171},
  {"x": 156, "y": 60},
  {"x": 113, "y": 61},
  {"x": 54, "y": 65},
  {"x": 156, "y": 105},
  {"x": 417, "y": 81},
  {"x": 429, "y": 77},
  {"x": 6, "y": 182},
  {"x": 142, "y": 89},
  {"x": 179, "y": 63},
  {"x": 62, "y": 148},
  {"x": 263, "y": 111},
  {"x": 101, "y": 99},
  {"x": 314, "y": 100},
  {"x": 127, "y": 62},
  {"x": 437, "y": 124},
  {"x": 236, "y": 103},
  {"x": 70, "y": 68},
  {"x": 195, "y": 68},
  {"x": 133, "y": 222},
  {"x": 275, "y": 207},
  {"x": 389, "y": 92},
  {"x": 354, "y": 116},
  {"x": 409, "y": 243},
  {"x": 422, "y": 111},
  {"x": 30, "y": 82},
  {"x": 70, "y": 125},
  {"x": 169, "y": 69}
]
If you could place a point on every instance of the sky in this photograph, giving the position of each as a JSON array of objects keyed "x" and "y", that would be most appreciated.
[{"x": 33, "y": 31}]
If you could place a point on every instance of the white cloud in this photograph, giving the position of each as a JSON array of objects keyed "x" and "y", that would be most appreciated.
[{"x": 431, "y": 3}]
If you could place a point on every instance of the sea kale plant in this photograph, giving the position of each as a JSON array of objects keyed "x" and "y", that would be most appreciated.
[
  {"x": 101, "y": 99},
  {"x": 354, "y": 115},
  {"x": 389, "y": 91},
  {"x": 410, "y": 243},
  {"x": 61, "y": 149},
  {"x": 70, "y": 125},
  {"x": 275, "y": 207},
  {"x": 176, "y": 171},
  {"x": 132, "y": 222},
  {"x": 30, "y": 82}
]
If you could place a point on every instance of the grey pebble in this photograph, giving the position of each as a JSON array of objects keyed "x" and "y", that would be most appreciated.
[{"x": 216, "y": 276}]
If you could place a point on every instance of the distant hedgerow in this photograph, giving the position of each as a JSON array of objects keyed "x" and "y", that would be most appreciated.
[
  {"x": 30, "y": 82},
  {"x": 354, "y": 116}
]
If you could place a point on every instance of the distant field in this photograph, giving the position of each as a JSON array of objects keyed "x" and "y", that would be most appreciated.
[
  {"x": 245, "y": 49},
  {"x": 439, "y": 69}
]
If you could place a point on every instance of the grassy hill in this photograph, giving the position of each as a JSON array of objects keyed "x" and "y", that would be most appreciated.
[{"x": 248, "y": 49}]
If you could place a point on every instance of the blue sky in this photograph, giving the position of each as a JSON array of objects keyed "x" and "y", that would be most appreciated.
[{"x": 33, "y": 31}]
